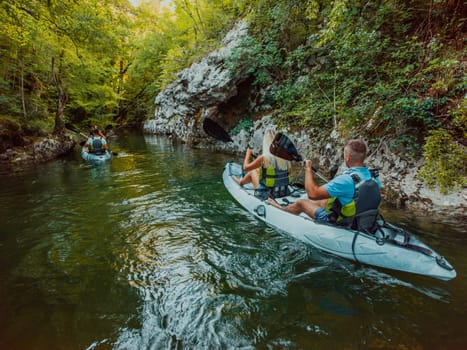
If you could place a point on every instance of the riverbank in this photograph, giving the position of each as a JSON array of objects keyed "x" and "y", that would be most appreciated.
[{"x": 35, "y": 150}]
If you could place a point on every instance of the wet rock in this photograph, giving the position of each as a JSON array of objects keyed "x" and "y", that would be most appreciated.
[
  {"x": 37, "y": 151},
  {"x": 206, "y": 89}
]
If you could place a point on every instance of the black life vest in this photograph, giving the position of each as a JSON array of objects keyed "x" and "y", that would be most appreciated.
[
  {"x": 96, "y": 146},
  {"x": 364, "y": 206}
]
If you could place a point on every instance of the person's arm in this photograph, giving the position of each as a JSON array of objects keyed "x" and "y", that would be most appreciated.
[
  {"x": 312, "y": 189},
  {"x": 87, "y": 143},
  {"x": 250, "y": 165}
]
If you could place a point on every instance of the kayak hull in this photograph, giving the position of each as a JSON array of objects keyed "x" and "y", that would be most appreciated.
[
  {"x": 93, "y": 158},
  {"x": 390, "y": 247}
]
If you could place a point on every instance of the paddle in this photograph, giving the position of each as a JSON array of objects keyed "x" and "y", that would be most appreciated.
[
  {"x": 281, "y": 146},
  {"x": 71, "y": 127},
  {"x": 284, "y": 148},
  {"x": 214, "y": 130}
]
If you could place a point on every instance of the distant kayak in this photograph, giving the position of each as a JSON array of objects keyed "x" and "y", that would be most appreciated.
[
  {"x": 94, "y": 158},
  {"x": 389, "y": 247}
]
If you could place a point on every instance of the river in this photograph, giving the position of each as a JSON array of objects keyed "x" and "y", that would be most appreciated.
[{"x": 149, "y": 251}]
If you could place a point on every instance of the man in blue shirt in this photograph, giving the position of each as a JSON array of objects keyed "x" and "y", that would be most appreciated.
[{"x": 336, "y": 199}]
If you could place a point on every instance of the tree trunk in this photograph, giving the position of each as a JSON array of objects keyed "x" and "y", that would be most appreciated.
[
  {"x": 23, "y": 101},
  {"x": 61, "y": 100}
]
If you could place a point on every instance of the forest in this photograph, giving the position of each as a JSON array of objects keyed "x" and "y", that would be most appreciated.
[{"x": 396, "y": 65}]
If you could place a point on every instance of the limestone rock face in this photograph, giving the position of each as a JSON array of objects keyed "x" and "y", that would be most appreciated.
[{"x": 206, "y": 89}]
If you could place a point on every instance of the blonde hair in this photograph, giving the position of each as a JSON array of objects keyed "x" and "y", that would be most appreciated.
[{"x": 270, "y": 160}]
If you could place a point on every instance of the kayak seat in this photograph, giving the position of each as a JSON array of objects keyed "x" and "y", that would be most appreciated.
[
  {"x": 364, "y": 222},
  {"x": 263, "y": 192}
]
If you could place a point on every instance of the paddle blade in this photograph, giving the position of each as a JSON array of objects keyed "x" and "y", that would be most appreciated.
[
  {"x": 284, "y": 148},
  {"x": 71, "y": 127},
  {"x": 214, "y": 130}
]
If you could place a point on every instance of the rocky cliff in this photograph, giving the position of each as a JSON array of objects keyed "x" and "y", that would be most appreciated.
[{"x": 208, "y": 89}]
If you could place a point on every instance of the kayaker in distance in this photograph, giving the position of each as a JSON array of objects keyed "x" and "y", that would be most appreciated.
[
  {"x": 96, "y": 143},
  {"x": 355, "y": 191},
  {"x": 267, "y": 173}
]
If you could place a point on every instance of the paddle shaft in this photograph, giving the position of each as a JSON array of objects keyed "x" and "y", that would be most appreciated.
[
  {"x": 315, "y": 171},
  {"x": 84, "y": 135},
  {"x": 321, "y": 176}
]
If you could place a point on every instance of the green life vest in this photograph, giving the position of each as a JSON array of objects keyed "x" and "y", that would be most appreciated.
[
  {"x": 271, "y": 177},
  {"x": 274, "y": 182}
]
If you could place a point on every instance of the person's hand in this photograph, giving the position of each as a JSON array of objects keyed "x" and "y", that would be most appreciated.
[{"x": 308, "y": 165}]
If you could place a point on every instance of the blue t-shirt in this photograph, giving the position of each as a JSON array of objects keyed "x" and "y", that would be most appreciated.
[{"x": 342, "y": 186}]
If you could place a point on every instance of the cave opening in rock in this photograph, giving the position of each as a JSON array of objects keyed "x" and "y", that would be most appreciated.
[{"x": 238, "y": 107}]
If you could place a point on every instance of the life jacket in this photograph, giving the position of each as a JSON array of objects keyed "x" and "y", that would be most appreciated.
[
  {"x": 96, "y": 146},
  {"x": 274, "y": 181},
  {"x": 362, "y": 211}
]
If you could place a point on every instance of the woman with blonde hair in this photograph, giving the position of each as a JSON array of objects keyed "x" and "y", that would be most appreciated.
[{"x": 267, "y": 172}]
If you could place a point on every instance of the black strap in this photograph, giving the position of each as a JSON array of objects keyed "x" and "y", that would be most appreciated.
[
  {"x": 353, "y": 245},
  {"x": 405, "y": 243}
]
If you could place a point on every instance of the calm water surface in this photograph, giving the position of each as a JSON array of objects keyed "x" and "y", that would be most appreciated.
[{"x": 150, "y": 252}]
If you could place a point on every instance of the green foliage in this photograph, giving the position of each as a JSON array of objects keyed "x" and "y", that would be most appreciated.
[
  {"x": 262, "y": 57},
  {"x": 358, "y": 57},
  {"x": 39, "y": 127},
  {"x": 445, "y": 161},
  {"x": 244, "y": 124},
  {"x": 84, "y": 39},
  {"x": 347, "y": 63},
  {"x": 111, "y": 59},
  {"x": 459, "y": 118}
]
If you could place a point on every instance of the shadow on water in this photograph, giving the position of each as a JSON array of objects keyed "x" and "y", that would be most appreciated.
[{"x": 149, "y": 251}]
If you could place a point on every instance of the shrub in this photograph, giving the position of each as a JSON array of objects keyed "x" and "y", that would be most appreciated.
[{"x": 446, "y": 161}]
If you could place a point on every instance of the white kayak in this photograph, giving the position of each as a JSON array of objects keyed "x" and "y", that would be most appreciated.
[
  {"x": 390, "y": 247},
  {"x": 94, "y": 158}
]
